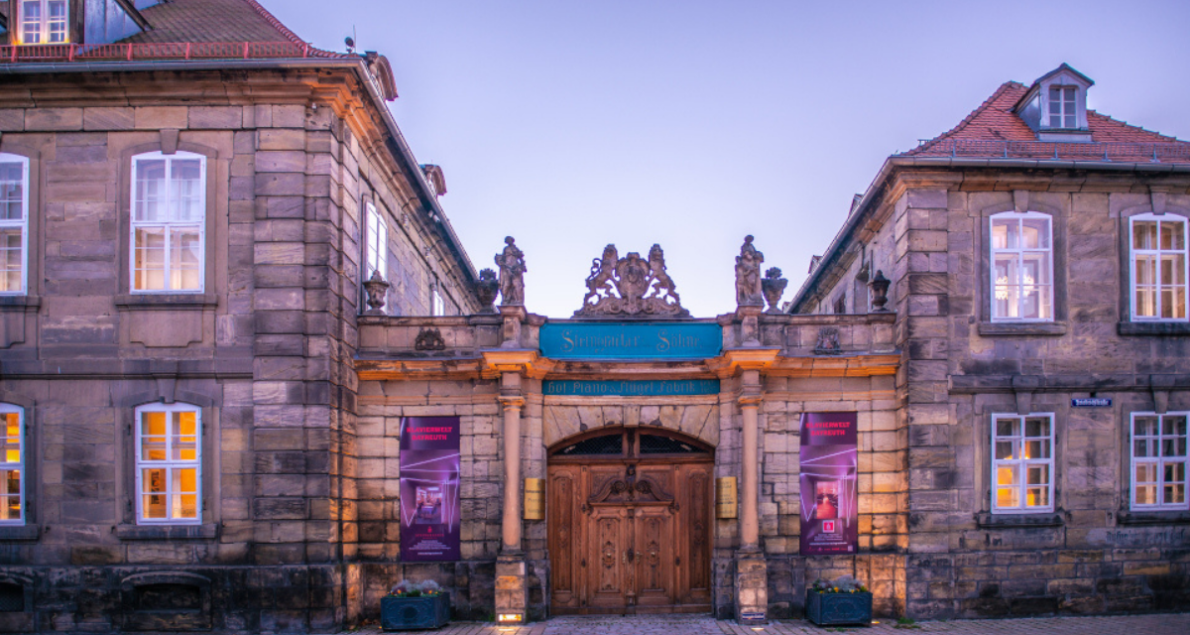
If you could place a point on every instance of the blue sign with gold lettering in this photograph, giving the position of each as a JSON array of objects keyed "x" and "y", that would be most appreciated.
[
  {"x": 631, "y": 387},
  {"x": 627, "y": 340}
]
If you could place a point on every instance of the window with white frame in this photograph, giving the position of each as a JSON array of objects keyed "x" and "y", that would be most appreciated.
[
  {"x": 1022, "y": 267},
  {"x": 12, "y": 465},
  {"x": 14, "y": 223},
  {"x": 44, "y": 21},
  {"x": 168, "y": 228},
  {"x": 1063, "y": 107},
  {"x": 438, "y": 304},
  {"x": 376, "y": 258},
  {"x": 168, "y": 464},
  {"x": 1159, "y": 267},
  {"x": 1022, "y": 463},
  {"x": 1159, "y": 461}
]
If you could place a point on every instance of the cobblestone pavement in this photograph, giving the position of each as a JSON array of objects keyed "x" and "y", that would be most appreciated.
[{"x": 1162, "y": 624}]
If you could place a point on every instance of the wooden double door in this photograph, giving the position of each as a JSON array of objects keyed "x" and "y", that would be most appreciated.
[{"x": 631, "y": 535}]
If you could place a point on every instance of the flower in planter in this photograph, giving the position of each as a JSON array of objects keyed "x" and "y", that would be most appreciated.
[
  {"x": 429, "y": 587},
  {"x": 842, "y": 584},
  {"x": 408, "y": 589}
]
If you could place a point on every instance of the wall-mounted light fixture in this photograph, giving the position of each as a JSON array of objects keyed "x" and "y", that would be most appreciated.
[{"x": 510, "y": 618}]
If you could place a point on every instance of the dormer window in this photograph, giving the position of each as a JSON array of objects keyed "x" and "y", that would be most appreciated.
[
  {"x": 1063, "y": 111},
  {"x": 44, "y": 22}
]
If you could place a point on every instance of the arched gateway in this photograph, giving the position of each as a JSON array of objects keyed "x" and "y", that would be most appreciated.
[{"x": 630, "y": 522}]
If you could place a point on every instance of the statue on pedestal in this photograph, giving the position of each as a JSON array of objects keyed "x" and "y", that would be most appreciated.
[
  {"x": 747, "y": 275},
  {"x": 511, "y": 262}
]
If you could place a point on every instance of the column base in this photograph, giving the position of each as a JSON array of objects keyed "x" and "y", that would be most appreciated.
[
  {"x": 512, "y": 590},
  {"x": 751, "y": 588}
]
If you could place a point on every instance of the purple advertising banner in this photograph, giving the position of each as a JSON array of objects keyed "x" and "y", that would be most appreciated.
[
  {"x": 430, "y": 506},
  {"x": 829, "y": 487}
]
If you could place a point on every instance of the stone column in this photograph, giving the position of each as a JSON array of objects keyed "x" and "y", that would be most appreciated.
[
  {"x": 751, "y": 579},
  {"x": 512, "y": 598}
]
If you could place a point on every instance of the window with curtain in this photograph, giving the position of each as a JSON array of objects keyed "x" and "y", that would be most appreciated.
[
  {"x": 12, "y": 465},
  {"x": 44, "y": 21},
  {"x": 1022, "y": 463},
  {"x": 1159, "y": 267},
  {"x": 1022, "y": 267},
  {"x": 168, "y": 222},
  {"x": 14, "y": 223},
  {"x": 168, "y": 464},
  {"x": 1159, "y": 461}
]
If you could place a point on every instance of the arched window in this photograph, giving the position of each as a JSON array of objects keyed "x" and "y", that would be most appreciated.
[
  {"x": 168, "y": 464},
  {"x": 168, "y": 228},
  {"x": 1159, "y": 267},
  {"x": 14, "y": 224},
  {"x": 1022, "y": 281},
  {"x": 12, "y": 465}
]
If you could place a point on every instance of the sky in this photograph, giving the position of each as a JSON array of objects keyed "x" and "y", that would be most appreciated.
[{"x": 572, "y": 124}]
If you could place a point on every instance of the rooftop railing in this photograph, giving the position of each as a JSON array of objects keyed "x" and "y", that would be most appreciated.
[
  {"x": 1171, "y": 152},
  {"x": 159, "y": 51}
]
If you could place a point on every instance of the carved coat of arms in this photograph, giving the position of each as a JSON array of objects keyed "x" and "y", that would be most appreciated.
[{"x": 630, "y": 286}]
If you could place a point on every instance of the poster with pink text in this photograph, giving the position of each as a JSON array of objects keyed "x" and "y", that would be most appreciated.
[
  {"x": 829, "y": 486},
  {"x": 430, "y": 506}
]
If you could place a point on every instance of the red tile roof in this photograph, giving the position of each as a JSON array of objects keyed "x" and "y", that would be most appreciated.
[
  {"x": 212, "y": 21},
  {"x": 995, "y": 121}
]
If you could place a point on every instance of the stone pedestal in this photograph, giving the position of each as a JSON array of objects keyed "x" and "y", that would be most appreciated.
[
  {"x": 512, "y": 594},
  {"x": 751, "y": 588}
]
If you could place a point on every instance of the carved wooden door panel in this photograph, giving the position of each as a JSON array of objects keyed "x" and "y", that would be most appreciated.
[
  {"x": 609, "y": 575},
  {"x": 565, "y": 535},
  {"x": 694, "y": 540},
  {"x": 654, "y": 556}
]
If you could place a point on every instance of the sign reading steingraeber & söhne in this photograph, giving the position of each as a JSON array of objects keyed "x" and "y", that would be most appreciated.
[
  {"x": 631, "y": 340},
  {"x": 430, "y": 506},
  {"x": 829, "y": 487},
  {"x": 630, "y": 387}
]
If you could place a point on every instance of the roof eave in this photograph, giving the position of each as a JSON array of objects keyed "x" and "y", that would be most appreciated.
[{"x": 866, "y": 207}]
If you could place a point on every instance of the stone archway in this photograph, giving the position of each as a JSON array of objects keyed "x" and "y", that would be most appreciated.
[{"x": 630, "y": 522}]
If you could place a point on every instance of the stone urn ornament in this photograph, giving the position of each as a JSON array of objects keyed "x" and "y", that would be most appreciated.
[
  {"x": 879, "y": 286},
  {"x": 773, "y": 286},
  {"x": 486, "y": 289},
  {"x": 376, "y": 288}
]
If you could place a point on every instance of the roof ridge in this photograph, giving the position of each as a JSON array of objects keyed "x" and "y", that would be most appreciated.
[
  {"x": 970, "y": 117},
  {"x": 1121, "y": 122},
  {"x": 275, "y": 23}
]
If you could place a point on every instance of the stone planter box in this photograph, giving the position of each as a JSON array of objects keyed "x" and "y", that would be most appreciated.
[
  {"x": 415, "y": 613},
  {"x": 831, "y": 609}
]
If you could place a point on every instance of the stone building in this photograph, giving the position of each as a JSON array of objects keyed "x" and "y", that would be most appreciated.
[
  {"x": 1037, "y": 258},
  {"x": 229, "y": 290}
]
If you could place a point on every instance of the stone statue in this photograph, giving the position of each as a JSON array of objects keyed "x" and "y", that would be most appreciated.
[
  {"x": 511, "y": 262},
  {"x": 747, "y": 275},
  {"x": 630, "y": 287}
]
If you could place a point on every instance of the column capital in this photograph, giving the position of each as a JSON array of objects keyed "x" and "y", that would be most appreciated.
[{"x": 511, "y": 401}]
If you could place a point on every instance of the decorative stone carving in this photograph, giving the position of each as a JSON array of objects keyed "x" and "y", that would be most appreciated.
[
  {"x": 773, "y": 286},
  {"x": 747, "y": 275},
  {"x": 376, "y": 288},
  {"x": 828, "y": 342},
  {"x": 486, "y": 289},
  {"x": 511, "y": 262},
  {"x": 879, "y": 286},
  {"x": 631, "y": 286},
  {"x": 429, "y": 339}
]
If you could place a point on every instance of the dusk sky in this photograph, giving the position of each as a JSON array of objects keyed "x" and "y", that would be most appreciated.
[{"x": 690, "y": 123}]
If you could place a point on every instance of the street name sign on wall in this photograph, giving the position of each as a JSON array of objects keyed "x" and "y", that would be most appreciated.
[
  {"x": 829, "y": 465},
  {"x": 1093, "y": 402},
  {"x": 631, "y": 388},
  {"x": 630, "y": 340},
  {"x": 430, "y": 505}
]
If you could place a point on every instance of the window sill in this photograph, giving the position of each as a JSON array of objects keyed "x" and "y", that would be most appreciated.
[
  {"x": 1153, "y": 328},
  {"x": 20, "y": 532},
  {"x": 1153, "y": 518},
  {"x": 987, "y": 520},
  {"x": 167, "y": 301},
  {"x": 1022, "y": 328},
  {"x": 205, "y": 531},
  {"x": 18, "y": 302}
]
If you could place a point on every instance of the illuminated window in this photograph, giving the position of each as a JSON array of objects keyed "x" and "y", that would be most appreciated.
[
  {"x": 168, "y": 222},
  {"x": 1159, "y": 264},
  {"x": 168, "y": 464},
  {"x": 12, "y": 465},
  {"x": 377, "y": 240},
  {"x": 14, "y": 223},
  {"x": 1022, "y": 463},
  {"x": 1022, "y": 267},
  {"x": 44, "y": 22},
  {"x": 1159, "y": 461},
  {"x": 1063, "y": 110}
]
